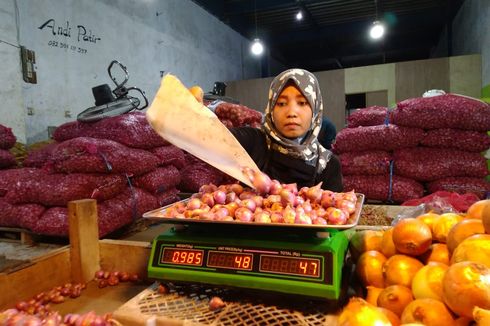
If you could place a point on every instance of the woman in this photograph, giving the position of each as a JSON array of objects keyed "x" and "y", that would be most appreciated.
[{"x": 287, "y": 148}]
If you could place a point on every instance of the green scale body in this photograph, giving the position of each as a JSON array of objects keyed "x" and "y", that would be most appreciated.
[{"x": 293, "y": 261}]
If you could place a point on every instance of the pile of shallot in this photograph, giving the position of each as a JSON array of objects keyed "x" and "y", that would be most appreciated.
[{"x": 269, "y": 202}]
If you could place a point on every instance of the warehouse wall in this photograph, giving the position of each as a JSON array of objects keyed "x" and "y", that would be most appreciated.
[
  {"x": 399, "y": 80},
  {"x": 470, "y": 34},
  {"x": 371, "y": 79},
  {"x": 75, "y": 42}
]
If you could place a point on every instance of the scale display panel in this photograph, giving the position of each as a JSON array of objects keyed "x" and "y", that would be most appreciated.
[
  {"x": 290, "y": 263},
  {"x": 285, "y": 264}
]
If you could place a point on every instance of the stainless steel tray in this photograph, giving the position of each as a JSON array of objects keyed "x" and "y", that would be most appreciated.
[{"x": 159, "y": 215}]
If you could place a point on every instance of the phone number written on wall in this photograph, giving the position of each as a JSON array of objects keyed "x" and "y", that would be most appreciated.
[{"x": 67, "y": 47}]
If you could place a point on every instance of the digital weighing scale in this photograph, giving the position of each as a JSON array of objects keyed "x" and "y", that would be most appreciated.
[{"x": 294, "y": 259}]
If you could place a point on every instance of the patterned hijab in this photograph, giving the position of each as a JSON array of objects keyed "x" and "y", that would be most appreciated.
[{"x": 307, "y": 148}]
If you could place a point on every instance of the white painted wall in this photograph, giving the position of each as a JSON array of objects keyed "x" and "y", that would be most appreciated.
[
  {"x": 148, "y": 36},
  {"x": 12, "y": 111}
]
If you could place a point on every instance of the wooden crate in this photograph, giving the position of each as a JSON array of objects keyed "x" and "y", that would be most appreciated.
[{"x": 77, "y": 262}]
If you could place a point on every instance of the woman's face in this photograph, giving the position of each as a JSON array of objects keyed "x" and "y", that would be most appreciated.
[{"x": 292, "y": 113}]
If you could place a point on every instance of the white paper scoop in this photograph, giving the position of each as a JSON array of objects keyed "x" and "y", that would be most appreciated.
[{"x": 179, "y": 118}]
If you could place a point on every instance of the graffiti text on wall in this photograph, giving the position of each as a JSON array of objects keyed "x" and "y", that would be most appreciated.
[{"x": 81, "y": 34}]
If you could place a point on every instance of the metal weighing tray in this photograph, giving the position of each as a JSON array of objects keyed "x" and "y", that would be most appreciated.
[{"x": 159, "y": 215}]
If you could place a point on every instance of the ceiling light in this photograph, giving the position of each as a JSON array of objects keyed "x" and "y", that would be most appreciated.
[
  {"x": 257, "y": 47},
  {"x": 299, "y": 15},
  {"x": 377, "y": 30}
]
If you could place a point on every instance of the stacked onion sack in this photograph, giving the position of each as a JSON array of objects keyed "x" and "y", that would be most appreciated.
[
  {"x": 120, "y": 161},
  {"x": 7, "y": 141},
  {"x": 196, "y": 172},
  {"x": 449, "y": 156},
  {"x": 430, "y": 270},
  {"x": 365, "y": 149},
  {"x": 425, "y": 144},
  {"x": 269, "y": 202}
]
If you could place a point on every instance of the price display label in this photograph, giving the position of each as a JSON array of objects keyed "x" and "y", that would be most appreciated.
[
  {"x": 230, "y": 260},
  {"x": 300, "y": 266},
  {"x": 180, "y": 256}
]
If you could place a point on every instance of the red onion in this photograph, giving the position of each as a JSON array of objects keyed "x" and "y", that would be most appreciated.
[
  {"x": 219, "y": 197},
  {"x": 346, "y": 205},
  {"x": 249, "y": 204},
  {"x": 287, "y": 197},
  {"x": 299, "y": 201},
  {"x": 207, "y": 188},
  {"x": 271, "y": 199},
  {"x": 231, "y": 207},
  {"x": 216, "y": 303},
  {"x": 289, "y": 215},
  {"x": 194, "y": 203},
  {"x": 276, "y": 187},
  {"x": 292, "y": 187},
  {"x": 262, "y": 217},
  {"x": 236, "y": 188},
  {"x": 246, "y": 195},
  {"x": 243, "y": 214},
  {"x": 277, "y": 218},
  {"x": 262, "y": 182},
  {"x": 302, "y": 219},
  {"x": 350, "y": 196},
  {"x": 227, "y": 219},
  {"x": 320, "y": 221},
  {"x": 336, "y": 216},
  {"x": 307, "y": 207},
  {"x": 259, "y": 201},
  {"x": 328, "y": 199},
  {"x": 314, "y": 194},
  {"x": 230, "y": 197},
  {"x": 208, "y": 199},
  {"x": 124, "y": 276},
  {"x": 209, "y": 216}
]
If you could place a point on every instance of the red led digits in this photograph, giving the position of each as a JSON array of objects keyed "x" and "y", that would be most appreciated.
[
  {"x": 182, "y": 256},
  {"x": 229, "y": 260},
  {"x": 290, "y": 265}
]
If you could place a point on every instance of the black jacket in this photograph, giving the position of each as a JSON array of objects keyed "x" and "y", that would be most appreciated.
[{"x": 284, "y": 168}]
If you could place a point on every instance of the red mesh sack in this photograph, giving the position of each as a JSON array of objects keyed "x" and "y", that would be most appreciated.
[
  {"x": 365, "y": 163},
  {"x": 131, "y": 129},
  {"x": 7, "y": 159},
  {"x": 464, "y": 140},
  {"x": 54, "y": 222},
  {"x": 461, "y": 185},
  {"x": 169, "y": 155},
  {"x": 383, "y": 137},
  {"x": 91, "y": 155},
  {"x": 370, "y": 116},
  {"x": 193, "y": 176},
  {"x": 39, "y": 157},
  {"x": 124, "y": 209},
  {"x": 459, "y": 202},
  {"x": 113, "y": 213},
  {"x": 59, "y": 189},
  {"x": 428, "y": 164},
  {"x": 7, "y": 138},
  {"x": 444, "y": 111},
  {"x": 159, "y": 179},
  {"x": 378, "y": 187},
  {"x": 8, "y": 178},
  {"x": 23, "y": 216},
  {"x": 239, "y": 115},
  {"x": 168, "y": 197}
]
